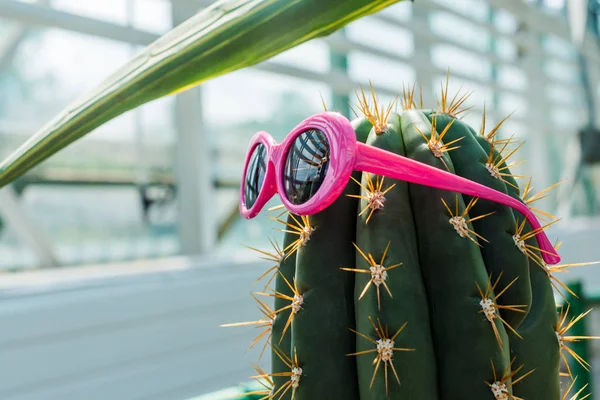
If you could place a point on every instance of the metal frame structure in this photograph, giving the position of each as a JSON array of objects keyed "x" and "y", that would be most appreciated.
[{"x": 197, "y": 225}]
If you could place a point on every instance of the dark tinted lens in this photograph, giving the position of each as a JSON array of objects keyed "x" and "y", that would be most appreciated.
[
  {"x": 306, "y": 166},
  {"x": 255, "y": 175}
]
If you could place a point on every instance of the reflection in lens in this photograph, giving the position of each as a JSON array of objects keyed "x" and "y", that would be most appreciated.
[
  {"x": 306, "y": 166},
  {"x": 255, "y": 175}
]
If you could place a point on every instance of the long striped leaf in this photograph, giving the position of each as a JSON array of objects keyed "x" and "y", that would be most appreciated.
[{"x": 229, "y": 35}]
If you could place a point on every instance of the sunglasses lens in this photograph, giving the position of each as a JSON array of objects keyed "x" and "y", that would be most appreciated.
[
  {"x": 306, "y": 166},
  {"x": 255, "y": 175}
]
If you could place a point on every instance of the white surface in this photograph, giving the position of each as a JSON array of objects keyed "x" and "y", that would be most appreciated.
[{"x": 151, "y": 335}]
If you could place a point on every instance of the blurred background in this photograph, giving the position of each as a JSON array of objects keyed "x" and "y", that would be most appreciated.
[{"x": 121, "y": 254}]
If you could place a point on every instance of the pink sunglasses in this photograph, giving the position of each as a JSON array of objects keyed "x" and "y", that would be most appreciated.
[{"x": 312, "y": 166}]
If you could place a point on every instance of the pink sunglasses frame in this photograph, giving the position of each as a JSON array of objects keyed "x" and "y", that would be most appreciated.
[{"x": 348, "y": 155}]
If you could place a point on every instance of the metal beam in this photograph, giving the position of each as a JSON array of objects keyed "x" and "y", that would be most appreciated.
[
  {"x": 196, "y": 192},
  {"x": 422, "y": 56},
  {"x": 339, "y": 65},
  {"x": 10, "y": 43},
  {"x": 24, "y": 228},
  {"x": 13, "y": 38},
  {"x": 45, "y": 16},
  {"x": 538, "y": 144}
]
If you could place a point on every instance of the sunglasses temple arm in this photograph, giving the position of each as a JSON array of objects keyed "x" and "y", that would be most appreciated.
[{"x": 381, "y": 162}]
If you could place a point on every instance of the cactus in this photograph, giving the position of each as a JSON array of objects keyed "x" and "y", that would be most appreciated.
[{"x": 403, "y": 291}]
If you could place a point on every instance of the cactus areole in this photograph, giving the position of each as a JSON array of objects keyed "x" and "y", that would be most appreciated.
[{"x": 413, "y": 265}]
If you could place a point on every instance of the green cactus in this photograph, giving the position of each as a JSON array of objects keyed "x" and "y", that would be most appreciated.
[{"x": 403, "y": 291}]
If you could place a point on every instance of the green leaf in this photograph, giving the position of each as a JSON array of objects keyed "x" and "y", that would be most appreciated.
[{"x": 229, "y": 35}]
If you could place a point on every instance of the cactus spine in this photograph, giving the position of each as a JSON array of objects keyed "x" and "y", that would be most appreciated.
[{"x": 403, "y": 291}]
